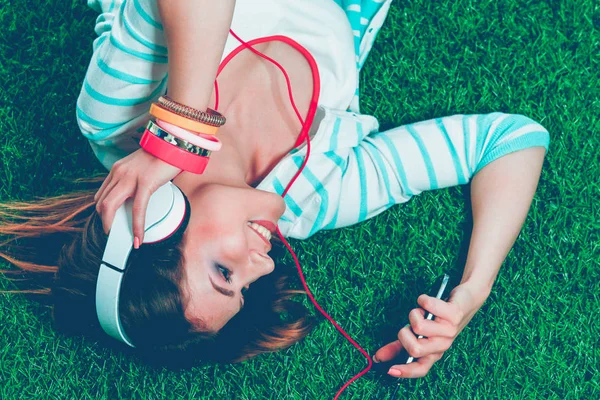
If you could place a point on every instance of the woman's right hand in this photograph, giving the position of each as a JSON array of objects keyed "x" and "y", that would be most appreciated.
[{"x": 138, "y": 175}]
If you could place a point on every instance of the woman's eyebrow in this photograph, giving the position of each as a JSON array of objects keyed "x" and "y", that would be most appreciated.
[{"x": 222, "y": 290}]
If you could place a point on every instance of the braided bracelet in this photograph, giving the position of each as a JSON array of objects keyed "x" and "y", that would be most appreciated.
[
  {"x": 210, "y": 117},
  {"x": 183, "y": 121}
]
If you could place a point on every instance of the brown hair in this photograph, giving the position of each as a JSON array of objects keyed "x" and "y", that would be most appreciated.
[{"x": 56, "y": 245}]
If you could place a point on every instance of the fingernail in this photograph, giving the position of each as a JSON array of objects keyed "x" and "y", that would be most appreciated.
[
  {"x": 136, "y": 243},
  {"x": 375, "y": 358},
  {"x": 394, "y": 372}
]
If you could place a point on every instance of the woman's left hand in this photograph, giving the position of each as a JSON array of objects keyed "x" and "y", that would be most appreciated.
[{"x": 450, "y": 319}]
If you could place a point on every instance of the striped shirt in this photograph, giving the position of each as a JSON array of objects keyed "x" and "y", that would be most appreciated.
[{"x": 354, "y": 171}]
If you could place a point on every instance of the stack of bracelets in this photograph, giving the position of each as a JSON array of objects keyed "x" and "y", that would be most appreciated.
[{"x": 182, "y": 136}]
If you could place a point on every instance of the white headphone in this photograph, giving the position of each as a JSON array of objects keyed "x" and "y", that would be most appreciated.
[{"x": 165, "y": 215}]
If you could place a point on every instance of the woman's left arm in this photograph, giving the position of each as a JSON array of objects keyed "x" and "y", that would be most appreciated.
[{"x": 501, "y": 193}]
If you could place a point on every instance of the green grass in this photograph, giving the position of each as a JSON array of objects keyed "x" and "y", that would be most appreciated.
[{"x": 535, "y": 337}]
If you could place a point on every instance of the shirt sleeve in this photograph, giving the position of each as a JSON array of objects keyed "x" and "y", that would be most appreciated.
[
  {"x": 127, "y": 72},
  {"x": 390, "y": 167}
]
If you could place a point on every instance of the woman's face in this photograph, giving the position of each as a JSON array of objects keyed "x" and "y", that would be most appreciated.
[{"x": 220, "y": 244}]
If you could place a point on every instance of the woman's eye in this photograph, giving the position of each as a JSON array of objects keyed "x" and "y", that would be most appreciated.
[{"x": 224, "y": 272}]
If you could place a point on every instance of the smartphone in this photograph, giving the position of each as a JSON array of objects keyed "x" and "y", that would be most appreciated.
[{"x": 441, "y": 290}]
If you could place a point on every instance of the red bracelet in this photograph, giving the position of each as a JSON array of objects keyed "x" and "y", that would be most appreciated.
[{"x": 172, "y": 154}]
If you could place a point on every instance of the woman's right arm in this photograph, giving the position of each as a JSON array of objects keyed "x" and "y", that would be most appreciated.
[
  {"x": 196, "y": 31},
  {"x": 128, "y": 72},
  {"x": 140, "y": 43}
]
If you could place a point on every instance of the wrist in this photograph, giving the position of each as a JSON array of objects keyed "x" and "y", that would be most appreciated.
[{"x": 479, "y": 292}]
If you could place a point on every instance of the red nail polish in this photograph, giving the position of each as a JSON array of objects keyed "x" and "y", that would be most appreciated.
[{"x": 136, "y": 243}]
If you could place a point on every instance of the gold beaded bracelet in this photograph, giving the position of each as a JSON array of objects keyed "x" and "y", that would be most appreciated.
[{"x": 209, "y": 117}]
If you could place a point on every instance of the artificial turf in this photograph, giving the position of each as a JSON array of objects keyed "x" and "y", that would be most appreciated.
[{"x": 537, "y": 336}]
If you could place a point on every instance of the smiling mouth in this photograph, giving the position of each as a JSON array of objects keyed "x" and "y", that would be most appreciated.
[{"x": 262, "y": 231}]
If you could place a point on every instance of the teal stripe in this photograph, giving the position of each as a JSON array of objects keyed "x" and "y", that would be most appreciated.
[
  {"x": 107, "y": 129},
  {"x": 98, "y": 42},
  {"x": 342, "y": 163},
  {"x": 362, "y": 174},
  {"x": 433, "y": 184},
  {"x": 337, "y": 160},
  {"x": 122, "y": 75},
  {"x": 532, "y": 139},
  {"x": 112, "y": 5},
  {"x": 382, "y": 168},
  {"x": 136, "y": 36},
  {"x": 398, "y": 162},
  {"x": 363, "y": 184},
  {"x": 289, "y": 201},
  {"x": 113, "y": 101},
  {"x": 97, "y": 124},
  {"x": 331, "y": 225},
  {"x": 453, "y": 153},
  {"x": 321, "y": 191},
  {"x": 144, "y": 56},
  {"x": 145, "y": 16},
  {"x": 333, "y": 142},
  {"x": 359, "y": 129},
  {"x": 101, "y": 18},
  {"x": 101, "y": 40},
  {"x": 467, "y": 133}
]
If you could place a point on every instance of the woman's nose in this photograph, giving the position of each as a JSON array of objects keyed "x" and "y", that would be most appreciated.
[{"x": 261, "y": 262}]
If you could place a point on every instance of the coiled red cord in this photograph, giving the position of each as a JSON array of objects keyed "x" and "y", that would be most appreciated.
[{"x": 304, "y": 137}]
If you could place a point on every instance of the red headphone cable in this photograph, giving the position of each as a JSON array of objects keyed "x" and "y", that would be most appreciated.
[{"x": 287, "y": 245}]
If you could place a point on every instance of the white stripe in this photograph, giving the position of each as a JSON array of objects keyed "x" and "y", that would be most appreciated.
[
  {"x": 356, "y": 32},
  {"x": 472, "y": 122},
  {"x": 364, "y": 21},
  {"x": 84, "y": 126},
  {"x": 353, "y": 7},
  {"x": 490, "y": 133},
  {"x": 457, "y": 137}
]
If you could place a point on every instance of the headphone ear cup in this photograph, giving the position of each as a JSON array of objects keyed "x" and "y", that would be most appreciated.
[{"x": 176, "y": 236}]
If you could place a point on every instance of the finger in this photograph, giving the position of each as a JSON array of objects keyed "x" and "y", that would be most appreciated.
[
  {"x": 105, "y": 193},
  {"x": 389, "y": 351},
  {"x": 417, "y": 369},
  {"x": 419, "y": 348},
  {"x": 448, "y": 311},
  {"x": 140, "y": 204},
  {"x": 426, "y": 327},
  {"x": 103, "y": 187},
  {"x": 112, "y": 202}
]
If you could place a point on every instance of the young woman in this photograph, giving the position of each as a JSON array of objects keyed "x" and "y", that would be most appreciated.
[{"x": 190, "y": 298}]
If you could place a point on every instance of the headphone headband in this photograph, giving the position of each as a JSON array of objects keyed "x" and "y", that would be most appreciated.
[{"x": 164, "y": 216}]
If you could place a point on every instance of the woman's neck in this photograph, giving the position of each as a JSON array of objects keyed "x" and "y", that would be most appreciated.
[{"x": 261, "y": 126}]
